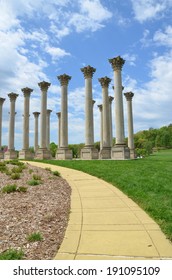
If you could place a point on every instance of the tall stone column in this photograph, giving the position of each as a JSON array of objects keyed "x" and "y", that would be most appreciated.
[
  {"x": 101, "y": 125},
  {"x": 11, "y": 153},
  {"x": 59, "y": 129},
  {"x": 25, "y": 153},
  {"x": 129, "y": 96},
  {"x": 105, "y": 152},
  {"x": 43, "y": 152},
  {"x": 64, "y": 152},
  {"x": 110, "y": 120},
  {"x": 48, "y": 128},
  {"x": 89, "y": 152},
  {"x": 36, "y": 146},
  {"x": 1, "y": 103},
  {"x": 120, "y": 150}
]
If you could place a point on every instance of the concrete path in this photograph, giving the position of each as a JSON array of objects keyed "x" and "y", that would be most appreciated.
[{"x": 105, "y": 224}]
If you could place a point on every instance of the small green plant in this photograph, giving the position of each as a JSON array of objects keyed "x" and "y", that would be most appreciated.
[
  {"x": 15, "y": 176},
  {"x": 36, "y": 177},
  {"x": 22, "y": 189},
  {"x": 30, "y": 171},
  {"x": 8, "y": 172},
  {"x": 9, "y": 188},
  {"x": 48, "y": 169},
  {"x": 33, "y": 182},
  {"x": 18, "y": 169},
  {"x": 35, "y": 236},
  {"x": 12, "y": 254},
  {"x": 3, "y": 168},
  {"x": 56, "y": 173}
]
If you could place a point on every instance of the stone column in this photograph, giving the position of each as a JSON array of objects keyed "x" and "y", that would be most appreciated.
[
  {"x": 120, "y": 151},
  {"x": 129, "y": 96},
  {"x": 43, "y": 152},
  {"x": 89, "y": 152},
  {"x": 101, "y": 125},
  {"x": 105, "y": 152},
  {"x": 110, "y": 119},
  {"x": 48, "y": 128},
  {"x": 11, "y": 153},
  {"x": 25, "y": 153},
  {"x": 36, "y": 116},
  {"x": 59, "y": 129},
  {"x": 64, "y": 152},
  {"x": 1, "y": 103}
]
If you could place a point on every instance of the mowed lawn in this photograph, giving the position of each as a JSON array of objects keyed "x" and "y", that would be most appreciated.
[{"x": 147, "y": 181}]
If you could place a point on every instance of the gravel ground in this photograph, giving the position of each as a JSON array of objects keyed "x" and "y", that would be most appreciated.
[{"x": 43, "y": 208}]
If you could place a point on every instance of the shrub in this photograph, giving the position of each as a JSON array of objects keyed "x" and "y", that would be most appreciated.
[
  {"x": 35, "y": 236},
  {"x": 15, "y": 176},
  {"x": 36, "y": 177},
  {"x": 9, "y": 188},
  {"x": 17, "y": 169},
  {"x": 30, "y": 171},
  {"x": 33, "y": 182},
  {"x": 56, "y": 173},
  {"x": 48, "y": 169},
  {"x": 22, "y": 189},
  {"x": 3, "y": 168},
  {"x": 12, "y": 254},
  {"x": 8, "y": 172}
]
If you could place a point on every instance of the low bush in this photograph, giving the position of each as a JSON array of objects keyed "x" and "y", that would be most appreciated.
[
  {"x": 22, "y": 189},
  {"x": 36, "y": 177},
  {"x": 56, "y": 173},
  {"x": 35, "y": 236},
  {"x": 12, "y": 254},
  {"x": 9, "y": 189},
  {"x": 15, "y": 176},
  {"x": 33, "y": 182}
]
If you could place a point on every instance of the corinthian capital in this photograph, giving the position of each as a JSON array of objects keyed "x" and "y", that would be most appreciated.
[
  {"x": 36, "y": 114},
  {"x": 26, "y": 91},
  {"x": 100, "y": 107},
  {"x": 129, "y": 95},
  {"x": 105, "y": 81},
  {"x": 44, "y": 85},
  {"x": 2, "y": 100},
  {"x": 111, "y": 99},
  {"x": 117, "y": 63},
  {"x": 64, "y": 79},
  {"x": 13, "y": 96},
  {"x": 88, "y": 71}
]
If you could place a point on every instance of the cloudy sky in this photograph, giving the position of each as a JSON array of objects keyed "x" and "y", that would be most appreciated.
[{"x": 40, "y": 40}]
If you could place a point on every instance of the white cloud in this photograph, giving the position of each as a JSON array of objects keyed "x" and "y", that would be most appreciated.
[
  {"x": 164, "y": 38},
  {"x": 130, "y": 58},
  {"x": 56, "y": 53}
]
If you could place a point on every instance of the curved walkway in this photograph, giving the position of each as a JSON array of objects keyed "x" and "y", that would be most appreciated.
[{"x": 104, "y": 224}]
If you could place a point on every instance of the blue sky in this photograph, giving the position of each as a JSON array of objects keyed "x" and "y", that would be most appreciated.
[{"x": 39, "y": 41}]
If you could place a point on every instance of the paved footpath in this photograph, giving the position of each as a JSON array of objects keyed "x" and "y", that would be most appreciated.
[{"x": 104, "y": 224}]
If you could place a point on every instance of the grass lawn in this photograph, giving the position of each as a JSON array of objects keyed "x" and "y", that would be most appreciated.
[{"x": 147, "y": 181}]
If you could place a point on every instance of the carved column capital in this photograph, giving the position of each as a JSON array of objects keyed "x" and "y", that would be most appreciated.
[
  {"x": 49, "y": 112},
  {"x": 2, "y": 100},
  {"x": 129, "y": 95},
  {"x": 44, "y": 85},
  {"x": 88, "y": 71},
  {"x": 105, "y": 81},
  {"x": 36, "y": 114},
  {"x": 58, "y": 114},
  {"x": 117, "y": 63},
  {"x": 12, "y": 96},
  {"x": 100, "y": 107},
  {"x": 111, "y": 99},
  {"x": 93, "y": 101},
  {"x": 26, "y": 91},
  {"x": 64, "y": 79}
]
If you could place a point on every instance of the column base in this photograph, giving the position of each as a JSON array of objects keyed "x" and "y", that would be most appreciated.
[
  {"x": 132, "y": 154},
  {"x": 25, "y": 154},
  {"x": 1, "y": 155},
  {"x": 120, "y": 152},
  {"x": 10, "y": 154},
  {"x": 64, "y": 153},
  {"x": 42, "y": 153},
  {"x": 88, "y": 153},
  {"x": 105, "y": 153}
]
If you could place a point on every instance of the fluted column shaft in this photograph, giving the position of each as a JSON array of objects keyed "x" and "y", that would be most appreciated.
[
  {"x": 59, "y": 127},
  {"x": 48, "y": 128},
  {"x": 101, "y": 125},
  {"x": 88, "y": 72},
  {"x": 1, "y": 103},
  {"x": 12, "y": 97},
  {"x": 26, "y": 91},
  {"x": 44, "y": 88},
  {"x": 110, "y": 120},
  {"x": 36, "y": 115},
  {"x": 64, "y": 80},
  {"x": 117, "y": 64},
  {"x": 129, "y": 96},
  {"x": 106, "y": 125}
]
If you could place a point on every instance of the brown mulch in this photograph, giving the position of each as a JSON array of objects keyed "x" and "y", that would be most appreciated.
[{"x": 43, "y": 208}]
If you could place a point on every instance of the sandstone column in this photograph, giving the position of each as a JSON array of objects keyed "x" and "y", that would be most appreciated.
[
  {"x": 36, "y": 116},
  {"x": 1, "y": 103},
  {"x": 25, "y": 153},
  {"x": 110, "y": 120},
  {"x": 101, "y": 125},
  {"x": 11, "y": 153},
  {"x": 48, "y": 128},
  {"x": 89, "y": 152},
  {"x": 105, "y": 152},
  {"x": 59, "y": 121},
  {"x": 43, "y": 152},
  {"x": 120, "y": 150},
  {"x": 64, "y": 152},
  {"x": 129, "y": 96}
]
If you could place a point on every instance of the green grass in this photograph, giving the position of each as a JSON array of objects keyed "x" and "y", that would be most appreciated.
[
  {"x": 15, "y": 176},
  {"x": 12, "y": 254},
  {"x": 34, "y": 237},
  {"x": 33, "y": 182},
  {"x": 56, "y": 173},
  {"x": 9, "y": 188},
  {"x": 147, "y": 181}
]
